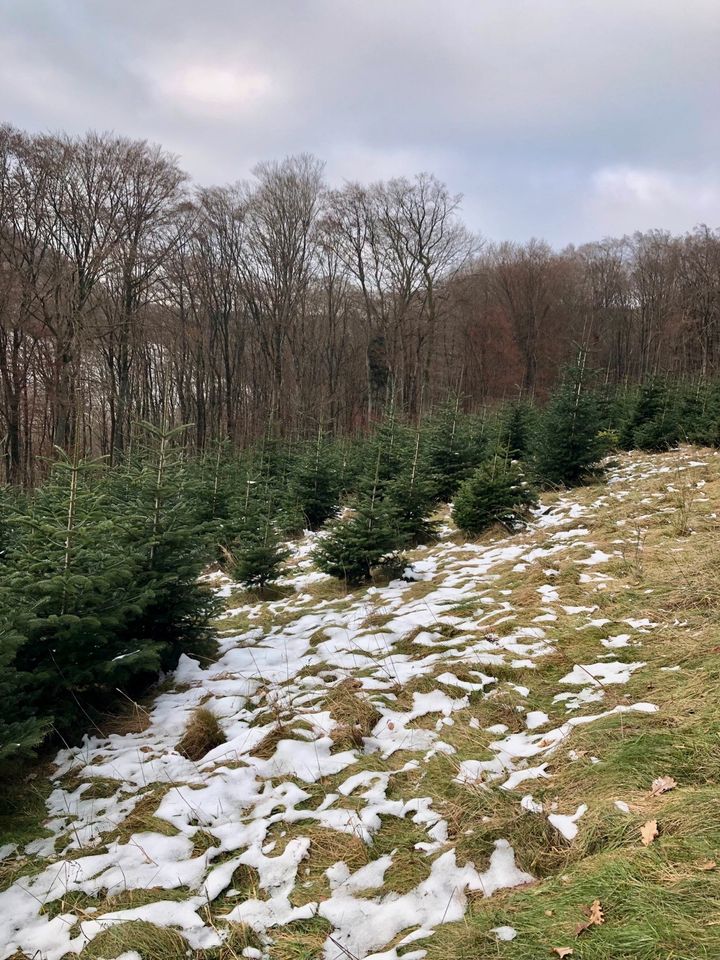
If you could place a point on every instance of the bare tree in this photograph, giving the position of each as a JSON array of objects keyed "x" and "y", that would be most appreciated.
[
  {"x": 282, "y": 210},
  {"x": 149, "y": 191}
]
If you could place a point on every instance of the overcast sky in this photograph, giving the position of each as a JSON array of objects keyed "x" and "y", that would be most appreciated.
[{"x": 563, "y": 119}]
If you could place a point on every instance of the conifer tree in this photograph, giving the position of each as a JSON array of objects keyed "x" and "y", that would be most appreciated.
[
  {"x": 73, "y": 584},
  {"x": 369, "y": 537},
  {"x": 21, "y": 728},
  {"x": 652, "y": 423},
  {"x": 256, "y": 556},
  {"x": 570, "y": 440},
  {"x": 516, "y": 428},
  {"x": 453, "y": 446},
  {"x": 23, "y": 725},
  {"x": 411, "y": 494},
  {"x": 172, "y": 540},
  {"x": 314, "y": 484},
  {"x": 497, "y": 492},
  {"x": 699, "y": 413}
]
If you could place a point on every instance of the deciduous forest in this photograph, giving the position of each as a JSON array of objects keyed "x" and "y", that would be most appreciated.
[{"x": 281, "y": 305}]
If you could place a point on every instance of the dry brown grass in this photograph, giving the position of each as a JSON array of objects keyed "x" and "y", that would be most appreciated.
[
  {"x": 355, "y": 714},
  {"x": 130, "y": 717},
  {"x": 202, "y": 734},
  {"x": 267, "y": 746},
  {"x": 237, "y": 938}
]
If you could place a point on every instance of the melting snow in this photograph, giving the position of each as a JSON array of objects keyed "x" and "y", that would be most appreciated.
[{"x": 566, "y": 824}]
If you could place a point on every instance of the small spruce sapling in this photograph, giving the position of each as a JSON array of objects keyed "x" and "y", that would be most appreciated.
[
  {"x": 453, "y": 448},
  {"x": 314, "y": 484},
  {"x": 517, "y": 424},
  {"x": 571, "y": 441},
  {"x": 652, "y": 423},
  {"x": 369, "y": 537},
  {"x": 412, "y": 495},
  {"x": 497, "y": 492},
  {"x": 258, "y": 554}
]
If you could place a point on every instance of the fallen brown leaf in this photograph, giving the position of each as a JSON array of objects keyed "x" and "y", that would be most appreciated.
[
  {"x": 662, "y": 785},
  {"x": 707, "y": 865},
  {"x": 563, "y": 951},
  {"x": 595, "y": 917},
  {"x": 596, "y": 913},
  {"x": 648, "y": 832}
]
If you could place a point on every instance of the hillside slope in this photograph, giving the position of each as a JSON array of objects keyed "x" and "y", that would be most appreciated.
[{"x": 460, "y": 764}]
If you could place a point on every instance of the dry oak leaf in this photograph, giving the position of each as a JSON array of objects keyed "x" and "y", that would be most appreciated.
[
  {"x": 563, "y": 951},
  {"x": 648, "y": 832},
  {"x": 595, "y": 917},
  {"x": 662, "y": 785},
  {"x": 596, "y": 913}
]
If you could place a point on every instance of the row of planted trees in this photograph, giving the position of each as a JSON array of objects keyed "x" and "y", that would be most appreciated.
[{"x": 99, "y": 567}]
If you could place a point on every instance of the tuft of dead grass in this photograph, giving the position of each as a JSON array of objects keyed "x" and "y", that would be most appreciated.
[
  {"x": 267, "y": 746},
  {"x": 202, "y": 734},
  {"x": 354, "y": 713}
]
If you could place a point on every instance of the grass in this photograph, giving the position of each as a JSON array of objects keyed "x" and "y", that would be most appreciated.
[
  {"x": 142, "y": 818},
  {"x": 327, "y": 847},
  {"x": 201, "y": 735},
  {"x": 22, "y": 804},
  {"x": 661, "y": 901},
  {"x": 150, "y": 941},
  {"x": 354, "y": 714},
  {"x": 163, "y": 943},
  {"x": 301, "y": 940}
]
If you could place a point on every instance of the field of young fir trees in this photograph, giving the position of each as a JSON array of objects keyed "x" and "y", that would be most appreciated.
[{"x": 100, "y": 565}]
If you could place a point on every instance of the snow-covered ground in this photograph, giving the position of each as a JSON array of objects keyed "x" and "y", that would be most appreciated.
[{"x": 278, "y": 681}]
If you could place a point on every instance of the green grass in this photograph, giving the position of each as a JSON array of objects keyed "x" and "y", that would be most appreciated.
[{"x": 150, "y": 941}]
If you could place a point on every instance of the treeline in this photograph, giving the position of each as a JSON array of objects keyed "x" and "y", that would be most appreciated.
[
  {"x": 100, "y": 565},
  {"x": 128, "y": 293}
]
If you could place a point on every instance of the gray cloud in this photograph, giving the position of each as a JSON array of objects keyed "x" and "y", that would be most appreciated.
[{"x": 567, "y": 119}]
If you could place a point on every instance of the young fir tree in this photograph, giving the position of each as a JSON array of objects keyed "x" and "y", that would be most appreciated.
[
  {"x": 353, "y": 547},
  {"x": 22, "y": 728},
  {"x": 73, "y": 584},
  {"x": 496, "y": 492},
  {"x": 314, "y": 483},
  {"x": 166, "y": 529},
  {"x": 699, "y": 413},
  {"x": 453, "y": 447},
  {"x": 570, "y": 439},
  {"x": 256, "y": 556},
  {"x": 371, "y": 536},
  {"x": 652, "y": 423},
  {"x": 517, "y": 425},
  {"x": 23, "y": 723},
  {"x": 411, "y": 494}
]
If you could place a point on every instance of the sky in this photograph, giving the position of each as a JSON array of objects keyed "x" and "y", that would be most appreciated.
[{"x": 568, "y": 120}]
